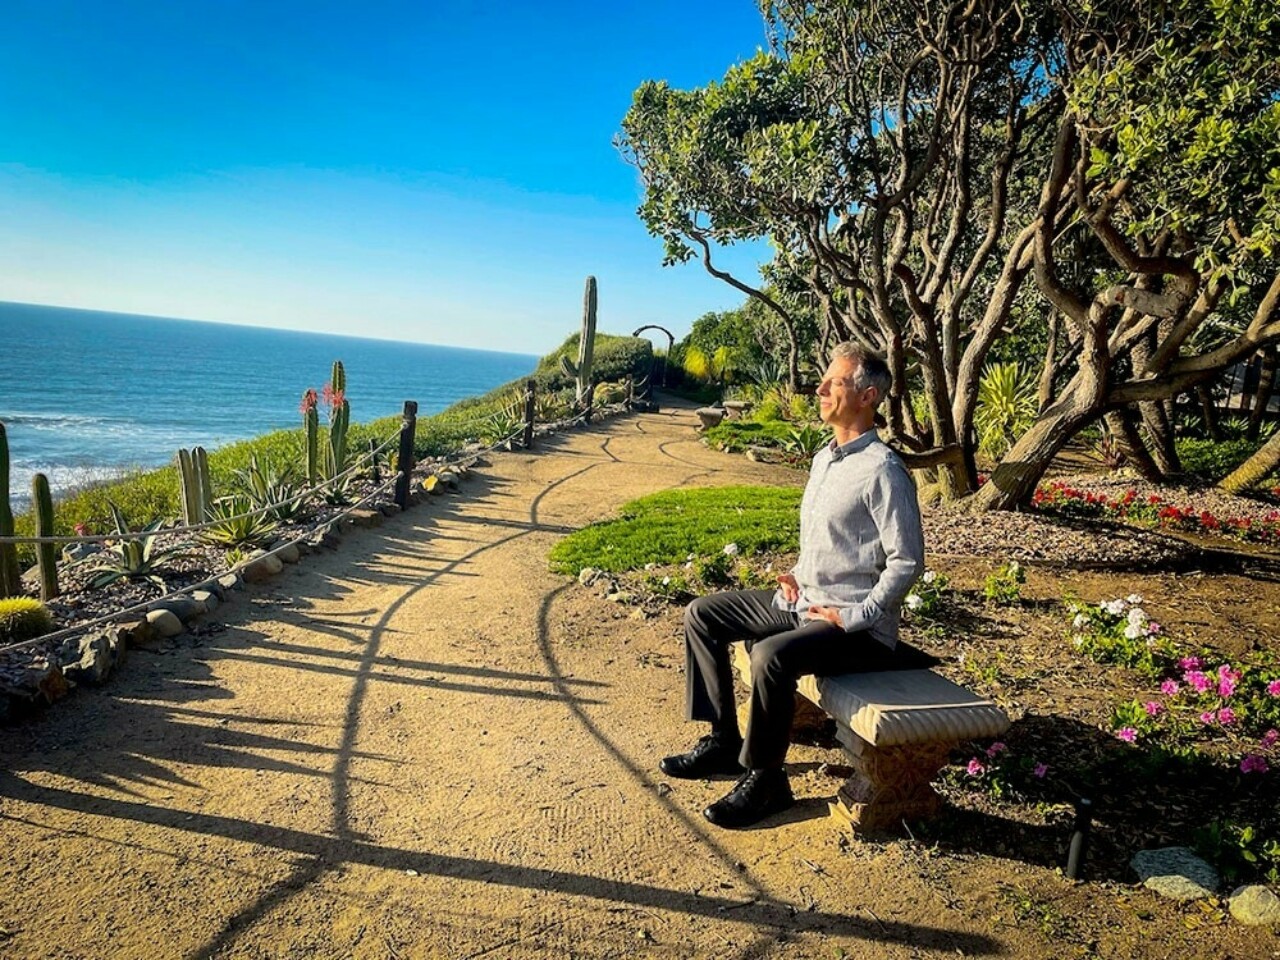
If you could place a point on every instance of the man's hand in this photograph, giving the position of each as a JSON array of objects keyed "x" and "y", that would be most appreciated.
[
  {"x": 829, "y": 614},
  {"x": 790, "y": 587}
]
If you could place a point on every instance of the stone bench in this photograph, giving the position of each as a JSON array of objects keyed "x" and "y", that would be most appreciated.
[{"x": 897, "y": 728}]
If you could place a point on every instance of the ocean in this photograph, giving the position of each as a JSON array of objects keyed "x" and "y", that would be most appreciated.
[{"x": 86, "y": 395}]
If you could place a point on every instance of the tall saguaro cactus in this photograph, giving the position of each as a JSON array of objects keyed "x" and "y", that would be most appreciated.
[
  {"x": 10, "y": 575},
  {"x": 339, "y": 418},
  {"x": 581, "y": 371},
  {"x": 311, "y": 423},
  {"x": 46, "y": 553}
]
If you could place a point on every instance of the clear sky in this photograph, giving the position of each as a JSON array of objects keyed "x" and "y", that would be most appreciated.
[{"x": 437, "y": 172}]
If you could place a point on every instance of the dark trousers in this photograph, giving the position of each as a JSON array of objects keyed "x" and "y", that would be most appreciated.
[{"x": 783, "y": 647}]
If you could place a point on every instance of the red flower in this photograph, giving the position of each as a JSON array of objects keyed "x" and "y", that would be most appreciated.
[{"x": 308, "y": 401}]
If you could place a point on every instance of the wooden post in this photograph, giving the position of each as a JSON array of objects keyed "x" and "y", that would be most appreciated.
[
  {"x": 404, "y": 460},
  {"x": 374, "y": 475},
  {"x": 530, "y": 390}
]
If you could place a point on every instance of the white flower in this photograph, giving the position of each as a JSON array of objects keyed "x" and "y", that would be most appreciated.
[
  {"x": 730, "y": 549},
  {"x": 665, "y": 581},
  {"x": 1078, "y": 640},
  {"x": 1138, "y": 616},
  {"x": 1134, "y": 598},
  {"x": 1133, "y": 632},
  {"x": 688, "y": 566},
  {"x": 1080, "y": 622},
  {"x": 929, "y": 576},
  {"x": 690, "y": 556},
  {"x": 1015, "y": 568},
  {"x": 1114, "y": 607},
  {"x": 650, "y": 566},
  {"x": 914, "y": 601}
]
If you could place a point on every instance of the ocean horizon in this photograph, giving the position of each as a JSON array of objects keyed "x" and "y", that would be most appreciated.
[{"x": 86, "y": 395}]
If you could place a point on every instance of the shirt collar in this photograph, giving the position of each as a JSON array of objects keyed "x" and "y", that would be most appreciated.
[{"x": 853, "y": 446}]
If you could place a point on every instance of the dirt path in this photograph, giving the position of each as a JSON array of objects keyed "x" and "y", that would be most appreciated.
[{"x": 426, "y": 745}]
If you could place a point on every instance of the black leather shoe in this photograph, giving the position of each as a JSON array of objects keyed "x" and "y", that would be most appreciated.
[
  {"x": 759, "y": 794},
  {"x": 711, "y": 755}
]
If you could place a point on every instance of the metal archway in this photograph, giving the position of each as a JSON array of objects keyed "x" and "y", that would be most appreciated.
[{"x": 671, "y": 345}]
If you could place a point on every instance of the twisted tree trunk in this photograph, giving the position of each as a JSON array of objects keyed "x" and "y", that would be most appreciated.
[{"x": 1250, "y": 473}]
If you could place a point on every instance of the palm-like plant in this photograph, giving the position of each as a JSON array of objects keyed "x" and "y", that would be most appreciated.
[
  {"x": 133, "y": 559},
  {"x": 265, "y": 486},
  {"x": 237, "y": 522},
  {"x": 1007, "y": 407}
]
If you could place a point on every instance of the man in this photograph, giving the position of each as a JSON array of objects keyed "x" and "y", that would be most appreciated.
[{"x": 861, "y": 548}]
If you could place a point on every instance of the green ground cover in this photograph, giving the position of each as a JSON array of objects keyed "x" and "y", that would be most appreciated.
[{"x": 670, "y": 527}]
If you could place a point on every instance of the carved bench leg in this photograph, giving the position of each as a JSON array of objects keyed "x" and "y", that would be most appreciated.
[{"x": 889, "y": 784}]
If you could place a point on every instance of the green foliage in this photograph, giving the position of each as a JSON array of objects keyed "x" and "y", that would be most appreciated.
[
  {"x": 735, "y": 436},
  {"x": 133, "y": 559},
  {"x": 268, "y": 486},
  {"x": 1003, "y": 586},
  {"x": 238, "y": 522},
  {"x": 928, "y": 597},
  {"x": 1212, "y": 460},
  {"x": 1239, "y": 850},
  {"x": 614, "y": 358},
  {"x": 23, "y": 618},
  {"x": 1119, "y": 632},
  {"x": 668, "y": 527},
  {"x": 1007, "y": 406},
  {"x": 805, "y": 441}
]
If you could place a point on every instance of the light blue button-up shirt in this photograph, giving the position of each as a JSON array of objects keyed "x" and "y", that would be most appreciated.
[{"x": 861, "y": 540}]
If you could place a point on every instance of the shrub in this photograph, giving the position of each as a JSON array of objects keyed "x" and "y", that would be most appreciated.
[
  {"x": 1003, "y": 586},
  {"x": 23, "y": 618},
  {"x": 1006, "y": 407},
  {"x": 237, "y": 522},
  {"x": 133, "y": 558},
  {"x": 1212, "y": 460}
]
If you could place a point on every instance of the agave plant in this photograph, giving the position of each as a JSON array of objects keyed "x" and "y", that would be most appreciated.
[
  {"x": 266, "y": 486},
  {"x": 134, "y": 558},
  {"x": 805, "y": 441},
  {"x": 237, "y": 522}
]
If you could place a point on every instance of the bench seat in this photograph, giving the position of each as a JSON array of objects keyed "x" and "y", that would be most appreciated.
[{"x": 898, "y": 728}]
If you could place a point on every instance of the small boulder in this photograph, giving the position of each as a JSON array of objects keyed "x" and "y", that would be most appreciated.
[
  {"x": 588, "y": 575},
  {"x": 96, "y": 661},
  {"x": 263, "y": 567},
  {"x": 229, "y": 582},
  {"x": 207, "y": 600},
  {"x": 75, "y": 552},
  {"x": 135, "y": 633},
  {"x": 288, "y": 553},
  {"x": 1255, "y": 906},
  {"x": 164, "y": 623},
  {"x": 1175, "y": 872},
  {"x": 184, "y": 608},
  {"x": 364, "y": 518}
]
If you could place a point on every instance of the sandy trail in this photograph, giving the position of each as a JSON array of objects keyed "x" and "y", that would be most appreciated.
[{"x": 427, "y": 745}]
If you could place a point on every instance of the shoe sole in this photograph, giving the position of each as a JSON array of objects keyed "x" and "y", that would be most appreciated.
[{"x": 726, "y": 771}]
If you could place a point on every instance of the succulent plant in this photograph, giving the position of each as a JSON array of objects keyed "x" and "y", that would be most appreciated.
[{"x": 23, "y": 618}]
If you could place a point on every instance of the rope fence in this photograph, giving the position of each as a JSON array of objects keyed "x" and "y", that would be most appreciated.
[{"x": 400, "y": 480}]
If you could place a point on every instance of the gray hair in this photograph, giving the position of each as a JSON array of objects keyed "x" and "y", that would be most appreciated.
[{"x": 872, "y": 370}]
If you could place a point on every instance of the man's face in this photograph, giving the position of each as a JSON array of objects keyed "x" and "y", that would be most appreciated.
[{"x": 840, "y": 402}]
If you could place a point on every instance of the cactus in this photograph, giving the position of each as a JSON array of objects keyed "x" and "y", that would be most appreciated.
[
  {"x": 338, "y": 378},
  {"x": 311, "y": 420},
  {"x": 22, "y": 618},
  {"x": 188, "y": 486},
  {"x": 581, "y": 371},
  {"x": 339, "y": 419},
  {"x": 10, "y": 575},
  {"x": 46, "y": 553},
  {"x": 204, "y": 485}
]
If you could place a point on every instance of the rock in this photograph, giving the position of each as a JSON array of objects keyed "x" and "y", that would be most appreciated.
[
  {"x": 287, "y": 553},
  {"x": 620, "y": 596},
  {"x": 710, "y": 416},
  {"x": 304, "y": 547},
  {"x": 229, "y": 582},
  {"x": 135, "y": 633},
  {"x": 206, "y": 599},
  {"x": 75, "y": 552},
  {"x": 389, "y": 509},
  {"x": 184, "y": 608},
  {"x": 639, "y": 613},
  {"x": 96, "y": 661},
  {"x": 210, "y": 586},
  {"x": 588, "y": 575},
  {"x": 1175, "y": 872},
  {"x": 1255, "y": 905},
  {"x": 263, "y": 567},
  {"x": 364, "y": 518},
  {"x": 34, "y": 684},
  {"x": 164, "y": 623}
]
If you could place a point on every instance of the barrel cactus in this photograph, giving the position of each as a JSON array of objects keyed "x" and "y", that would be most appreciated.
[{"x": 23, "y": 618}]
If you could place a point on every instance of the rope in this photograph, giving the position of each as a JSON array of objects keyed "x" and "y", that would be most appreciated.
[
  {"x": 138, "y": 607},
  {"x": 358, "y": 464}
]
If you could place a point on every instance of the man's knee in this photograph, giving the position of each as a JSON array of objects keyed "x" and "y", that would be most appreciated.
[
  {"x": 694, "y": 615},
  {"x": 768, "y": 666}
]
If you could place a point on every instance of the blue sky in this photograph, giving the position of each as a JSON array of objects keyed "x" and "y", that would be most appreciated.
[{"x": 441, "y": 173}]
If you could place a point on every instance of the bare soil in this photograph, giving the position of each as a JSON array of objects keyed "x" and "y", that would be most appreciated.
[{"x": 427, "y": 745}]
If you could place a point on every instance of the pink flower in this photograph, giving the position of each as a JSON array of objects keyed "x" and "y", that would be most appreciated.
[
  {"x": 1270, "y": 738},
  {"x": 1253, "y": 763},
  {"x": 975, "y": 768},
  {"x": 996, "y": 749},
  {"x": 1226, "y": 716},
  {"x": 1197, "y": 680},
  {"x": 82, "y": 529},
  {"x": 308, "y": 401},
  {"x": 1190, "y": 663},
  {"x": 1207, "y": 717},
  {"x": 1153, "y": 708},
  {"x": 1273, "y": 688},
  {"x": 1040, "y": 770},
  {"x": 1154, "y": 628},
  {"x": 1227, "y": 680},
  {"x": 1127, "y": 734},
  {"x": 1170, "y": 687}
]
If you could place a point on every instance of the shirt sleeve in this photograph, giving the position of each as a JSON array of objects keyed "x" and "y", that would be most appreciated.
[{"x": 895, "y": 510}]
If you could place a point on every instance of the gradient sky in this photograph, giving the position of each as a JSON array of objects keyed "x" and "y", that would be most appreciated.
[{"x": 441, "y": 173}]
